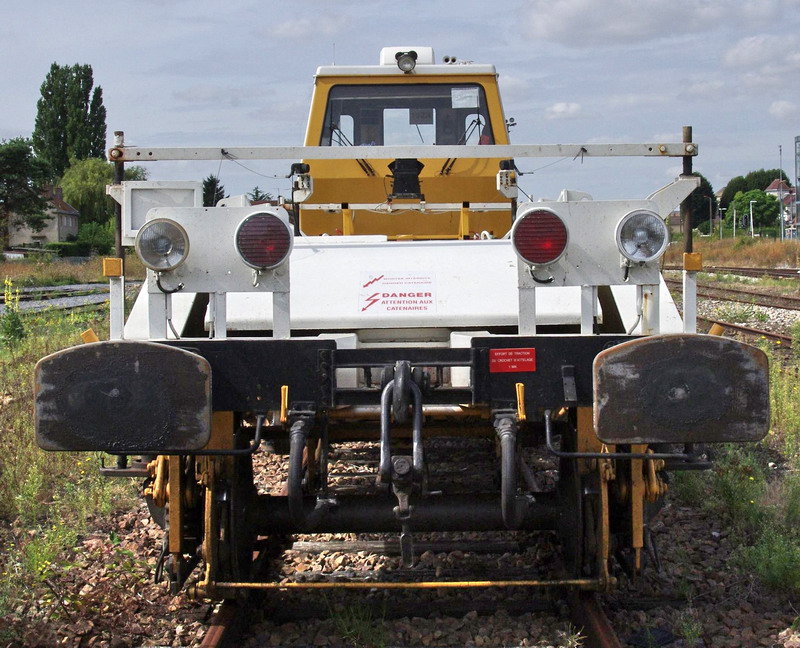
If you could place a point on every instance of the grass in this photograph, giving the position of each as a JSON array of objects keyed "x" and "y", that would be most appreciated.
[
  {"x": 738, "y": 313},
  {"x": 46, "y": 499},
  {"x": 47, "y": 271},
  {"x": 359, "y": 626},
  {"x": 743, "y": 252}
]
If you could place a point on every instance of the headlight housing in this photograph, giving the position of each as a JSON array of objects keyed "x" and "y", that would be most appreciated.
[
  {"x": 642, "y": 236},
  {"x": 264, "y": 241},
  {"x": 539, "y": 237},
  {"x": 162, "y": 244}
]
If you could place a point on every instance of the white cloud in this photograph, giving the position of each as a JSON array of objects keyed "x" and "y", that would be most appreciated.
[
  {"x": 312, "y": 26},
  {"x": 756, "y": 51},
  {"x": 588, "y": 23},
  {"x": 711, "y": 89},
  {"x": 563, "y": 110},
  {"x": 785, "y": 110}
]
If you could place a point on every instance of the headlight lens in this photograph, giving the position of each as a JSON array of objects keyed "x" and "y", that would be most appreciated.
[
  {"x": 406, "y": 61},
  {"x": 539, "y": 237},
  {"x": 642, "y": 236},
  {"x": 263, "y": 241},
  {"x": 162, "y": 244}
]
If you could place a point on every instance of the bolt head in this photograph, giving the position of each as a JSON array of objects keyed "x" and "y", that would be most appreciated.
[{"x": 401, "y": 465}]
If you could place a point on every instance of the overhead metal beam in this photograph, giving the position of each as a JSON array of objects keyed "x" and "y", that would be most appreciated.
[{"x": 658, "y": 149}]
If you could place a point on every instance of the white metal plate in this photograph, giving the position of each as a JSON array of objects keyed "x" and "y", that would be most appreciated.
[{"x": 139, "y": 197}]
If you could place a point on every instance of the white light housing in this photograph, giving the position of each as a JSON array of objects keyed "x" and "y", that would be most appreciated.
[
  {"x": 642, "y": 236},
  {"x": 162, "y": 244}
]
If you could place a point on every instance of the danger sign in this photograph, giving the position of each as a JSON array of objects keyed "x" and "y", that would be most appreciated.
[{"x": 397, "y": 292}]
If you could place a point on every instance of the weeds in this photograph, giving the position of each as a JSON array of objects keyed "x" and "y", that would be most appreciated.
[
  {"x": 358, "y": 625},
  {"x": 740, "y": 313},
  {"x": 688, "y": 627},
  {"x": 11, "y": 328},
  {"x": 743, "y": 251},
  {"x": 49, "y": 497}
]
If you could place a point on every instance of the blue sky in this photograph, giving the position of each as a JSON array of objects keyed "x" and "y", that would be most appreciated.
[{"x": 200, "y": 73}]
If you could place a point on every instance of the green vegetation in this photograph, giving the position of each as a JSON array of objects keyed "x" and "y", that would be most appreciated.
[
  {"x": 740, "y": 313},
  {"x": 84, "y": 184},
  {"x": 46, "y": 500},
  {"x": 213, "y": 191},
  {"x": 70, "y": 118},
  {"x": 11, "y": 328},
  {"x": 759, "y": 498},
  {"x": 23, "y": 179},
  {"x": 760, "y": 179},
  {"x": 359, "y": 626},
  {"x": 46, "y": 270}
]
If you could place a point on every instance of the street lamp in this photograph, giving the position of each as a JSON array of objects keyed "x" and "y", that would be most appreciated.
[{"x": 751, "y": 218}]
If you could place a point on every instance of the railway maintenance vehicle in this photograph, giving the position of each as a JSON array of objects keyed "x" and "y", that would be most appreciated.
[{"x": 404, "y": 293}]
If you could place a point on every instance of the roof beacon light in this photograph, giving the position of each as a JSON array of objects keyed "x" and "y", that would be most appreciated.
[
  {"x": 264, "y": 241},
  {"x": 162, "y": 244},
  {"x": 539, "y": 237},
  {"x": 406, "y": 61},
  {"x": 642, "y": 236}
]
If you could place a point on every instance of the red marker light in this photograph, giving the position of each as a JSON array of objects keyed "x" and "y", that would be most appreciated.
[
  {"x": 263, "y": 241},
  {"x": 539, "y": 237}
]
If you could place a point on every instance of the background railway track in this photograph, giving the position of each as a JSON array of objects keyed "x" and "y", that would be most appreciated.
[
  {"x": 778, "y": 273},
  {"x": 59, "y": 297}
]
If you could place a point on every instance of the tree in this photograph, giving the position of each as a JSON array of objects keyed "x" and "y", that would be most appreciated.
[
  {"x": 70, "y": 117},
  {"x": 84, "y": 185},
  {"x": 700, "y": 200},
  {"x": 23, "y": 186},
  {"x": 257, "y": 195},
  {"x": 765, "y": 208},
  {"x": 760, "y": 179},
  {"x": 213, "y": 191}
]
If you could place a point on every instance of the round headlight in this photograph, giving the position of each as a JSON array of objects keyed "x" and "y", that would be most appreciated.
[
  {"x": 406, "y": 61},
  {"x": 162, "y": 244},
  {"x": 642, "y": 236},
  {"x": 263, "y": 241},
  {"x": 539, "y": 237}
]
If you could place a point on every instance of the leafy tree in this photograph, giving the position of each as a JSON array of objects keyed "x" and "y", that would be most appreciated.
[
  {"x": 213, "y": 191},
  {"x": 97, "y": 237},
  {"x": 765, "y": 208},
  {"x": 84, "y": 184},
  {"x": 760, "y": 179},
  {"x": 256, "y": 194},
  {"x": 70, "y": 117},
  {"x": 23, "y": 183},
  {"x": 699, "y": 203}
]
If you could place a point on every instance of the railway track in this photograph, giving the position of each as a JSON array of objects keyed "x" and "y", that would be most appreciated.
[
  {"x": 785, "y": 340},
  {"x": 456, "y": 575},
  {"x": 60, "y": 297},
  {"x": 777, "y": 273},
  {"x": 231, "y": 624},
  {"x": 740, "y": 295}
]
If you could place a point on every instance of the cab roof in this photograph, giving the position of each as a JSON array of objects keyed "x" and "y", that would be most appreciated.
[{"x": 426, "y": 65}]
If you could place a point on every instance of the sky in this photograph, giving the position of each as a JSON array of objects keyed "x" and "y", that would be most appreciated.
[{"x": 240, "y": 73}]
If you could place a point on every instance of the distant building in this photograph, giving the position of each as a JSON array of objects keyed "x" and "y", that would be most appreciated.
[
  {"x": 779, "y": 188},
  {"x": 61, "y": 226}
]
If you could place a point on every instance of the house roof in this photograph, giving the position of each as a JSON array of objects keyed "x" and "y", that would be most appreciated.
[
  {"x": 55, "y": 196},
  {"x": 777, "y": 185}
]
